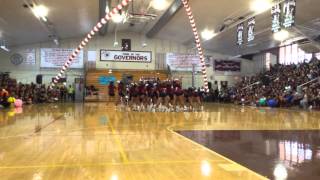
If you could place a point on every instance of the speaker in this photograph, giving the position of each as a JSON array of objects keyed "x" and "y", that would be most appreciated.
[
  {"x": 39, "y": 79},
  {"x": 126, "y": 44}
]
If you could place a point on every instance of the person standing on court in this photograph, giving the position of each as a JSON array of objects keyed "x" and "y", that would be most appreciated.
[{"x": 71, "y": 93}]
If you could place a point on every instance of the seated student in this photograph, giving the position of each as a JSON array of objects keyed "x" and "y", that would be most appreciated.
[
  {"x": 4, "y": 98},
  {"x": 304, "y": 102},
  {"x": 3, "y": 92}
]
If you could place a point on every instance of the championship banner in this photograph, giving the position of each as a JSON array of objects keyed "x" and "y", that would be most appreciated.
[
  {"x": 251, "y": 24},
  {"x": 225, "y": 65},
  {"x": 126, "y": 56},
  {"x": 240, "y": 29},
  {"x": 276, "y": 18},
  {"x": 56, "y": 57},
  {"x": 289, "y": 12}
]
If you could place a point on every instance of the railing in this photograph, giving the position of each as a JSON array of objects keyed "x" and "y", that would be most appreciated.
[
  {"x": 251, "y": 85},
  {"x": 318, "y": 78}
]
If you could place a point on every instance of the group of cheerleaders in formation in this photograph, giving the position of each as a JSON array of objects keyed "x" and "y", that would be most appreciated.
[{"x": 157, "y": 96}]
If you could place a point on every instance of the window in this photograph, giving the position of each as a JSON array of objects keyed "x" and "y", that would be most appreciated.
[{"x": 292, "y": 54}]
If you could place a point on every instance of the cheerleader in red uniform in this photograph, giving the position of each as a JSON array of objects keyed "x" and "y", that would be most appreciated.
[
  {"x": 179, "y": 98},
  {"x": 197, "y": 98},
  {"x": 121, "y": 89},
  {"x": 134, "y": 94},
  {"x": 154, "y": 95},
  {"x": 189, "y": 96},
  {"x": 142, "y": 95},
  {"x": 162, "y": 96},
  {"x": 169, "y": 100},
  {"x": 111, "y": 91}
]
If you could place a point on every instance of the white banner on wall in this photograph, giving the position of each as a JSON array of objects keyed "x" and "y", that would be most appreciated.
[
  {"x": 126, "y": 56},
  {"x": 56, "y": 57},
  {"x": 92, "y": 56},
  {"x": 183, "y": 62}
]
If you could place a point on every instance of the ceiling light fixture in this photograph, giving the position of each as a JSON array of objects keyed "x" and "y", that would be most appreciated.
[
  {"x": 118, "y": 18},
  {"x": 159, "y": 4},
  {"x": 207, "y": 34},
  {"x": 40, "y": 11},
  {"x": 107, "y": 10},
  {"x": 281, "y": 35},
  {"x": 56, "y": 41},
  {"x": 115, "y": 43},
  {"x": 3, "y": 46},
  {"x": 144, "y": 44},
  {"x": 260, "y": 6}
]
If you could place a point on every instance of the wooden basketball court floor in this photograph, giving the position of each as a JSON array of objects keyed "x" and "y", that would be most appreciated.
[{"x": 96, "y": 141}]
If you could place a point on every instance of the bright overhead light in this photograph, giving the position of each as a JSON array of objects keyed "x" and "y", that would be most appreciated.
[
  {"x": 117, "y": 18},
  {"x": 281, "y": 35},
  {"x": 144, "y": 44},
  {"x": 159, "y": 4},
  {"x": 56, "y": 41},
  {"x": 207, "y": 34},
  {"x": 40, "y": 11},
  {"x": 3, "y": 45},
  {"x": 5, "y": 48},
  {"x": 115, "y": 44},
  {"x": 260, "y": 6},
  {"x": 107, "y": 10}
]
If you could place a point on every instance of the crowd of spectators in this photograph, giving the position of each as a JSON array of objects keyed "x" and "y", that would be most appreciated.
[
  {"x": 281, "y": 86},
  {"x": 33, "y": 93}
]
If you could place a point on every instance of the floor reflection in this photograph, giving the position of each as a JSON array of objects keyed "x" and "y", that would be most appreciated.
[
  {"x": 275, "y": 154},
  {"x": 50, "y": 140}
]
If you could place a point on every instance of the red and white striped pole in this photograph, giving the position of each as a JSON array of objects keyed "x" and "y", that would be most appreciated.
[
  {"x": 198, "y": 43},
  {"x": 89, "y": 36}
]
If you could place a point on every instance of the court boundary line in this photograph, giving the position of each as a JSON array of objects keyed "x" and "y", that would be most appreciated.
[
  {"x": 118, "y": 142},
  {"x": 215, "y": 153}
]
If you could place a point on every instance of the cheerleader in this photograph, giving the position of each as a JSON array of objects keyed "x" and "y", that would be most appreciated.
[
  {"x": 111, "y": 90},
  {"x": 134, "y": 96},
  {"x": 142, "y": 95},
  {"x": 162, "y": 97},
  {"x": 121, "y": 93},
  {"x": 179, "y": 98},
  {"x": 197, "y": 99},
  {"x": 189, "y": 98},
  {"x": 169, "y": 96}
]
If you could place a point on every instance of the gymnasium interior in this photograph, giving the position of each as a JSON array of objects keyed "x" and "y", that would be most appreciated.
[{"x": 159, "y": 89}]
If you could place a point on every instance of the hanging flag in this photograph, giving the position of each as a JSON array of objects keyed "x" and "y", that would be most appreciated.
[
  {"x": 250, "y": 29},
  {"x": 276, "y": 18},
  {"x": 289, "y": 12},
  {"x": 240, "y": 29}
]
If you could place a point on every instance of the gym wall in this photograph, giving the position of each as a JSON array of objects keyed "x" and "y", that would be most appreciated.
[{"x": 27, "y": 73}]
